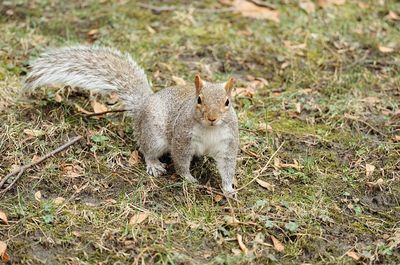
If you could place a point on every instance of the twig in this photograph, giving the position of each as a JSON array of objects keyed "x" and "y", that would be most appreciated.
[
  {"x": 157, "y": 9},
  {"x": 263, "y": 4},
  {"x": 22, "y": 169},
  {"x": 263, "y": 169},
  {"x": 107, "y": 111}
]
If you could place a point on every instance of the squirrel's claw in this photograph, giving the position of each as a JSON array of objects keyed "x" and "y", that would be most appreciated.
[{"x": 156, "y": 169}]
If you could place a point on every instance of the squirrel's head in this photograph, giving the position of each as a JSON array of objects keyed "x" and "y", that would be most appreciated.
[{"x": 213, "y": 101}]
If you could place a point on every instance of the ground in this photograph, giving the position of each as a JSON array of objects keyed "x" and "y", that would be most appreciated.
[{"x": 318, "y": 104}]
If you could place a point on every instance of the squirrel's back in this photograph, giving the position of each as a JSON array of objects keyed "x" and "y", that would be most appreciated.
[{"x": 94, "y": 68}]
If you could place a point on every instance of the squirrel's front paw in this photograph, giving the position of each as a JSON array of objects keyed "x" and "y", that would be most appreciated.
[
  {"x": 156, "y": 169},
  {"x": 189, "y": 178},
  {"x": 230, "y": 192}
]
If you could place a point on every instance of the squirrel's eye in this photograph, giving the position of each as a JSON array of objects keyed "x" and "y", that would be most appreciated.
[
  {"x": 198, "y": 100},
  {"x": 227, "y": 102}
]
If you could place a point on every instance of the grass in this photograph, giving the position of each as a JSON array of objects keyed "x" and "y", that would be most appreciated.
[{"x": 347, "y": 92}]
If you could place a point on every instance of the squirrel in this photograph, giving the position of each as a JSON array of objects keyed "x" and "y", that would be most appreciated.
[{"x": 185, "y": 121}]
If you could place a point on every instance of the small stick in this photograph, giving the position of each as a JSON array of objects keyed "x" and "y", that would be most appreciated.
[
  {"x": 22, "y": 169},
  {"x": 263, "y": 169},
  {"x": 107, "y": 111}
]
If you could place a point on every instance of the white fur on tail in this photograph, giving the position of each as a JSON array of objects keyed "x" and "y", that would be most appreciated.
[{"x": 94, "y": 68}]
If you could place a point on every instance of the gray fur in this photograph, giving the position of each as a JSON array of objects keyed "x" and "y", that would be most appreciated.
[{"x": 171, "y": 120}]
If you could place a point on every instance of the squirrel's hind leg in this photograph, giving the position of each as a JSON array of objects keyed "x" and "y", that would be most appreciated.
[{"x": 152, "y": 150}]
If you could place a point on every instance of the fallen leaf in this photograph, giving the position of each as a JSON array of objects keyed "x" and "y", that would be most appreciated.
[
  {"x": 236, "y": 251},
  {"x": 278, "y": 246},
  {"x": 354, "y": 255},
  {"x": 93, "y": 32},
  {"x": 134, "y": 158},
  {"x": 298, "y": 107},
  {"x": 33, "y": 133},
  {"x": 241, "y": 244},
  {"x": 3, "y": 217},
  {"x": 178, "y": 81},
  {"x": 57, "y": 98},
  {"x": 249, "y": 9},
  {"x": 396, "y": 138},
  {"x": 5, "y": 258},
  {"x": 325, "y": 3},
  {"x": 265, "y": 184},
  {"x": 3, "y": 248},
  {"x": 307, "y": 6},
  {"x": 98, "y": 107},
  {"x": 369, "y": 169},
  {"x": 384, "y": 49},
  {"x": 392, "y": 16},
  {"x": 218, "y": 198},
  {"x": 138, "y": 218},
  {"x": 38, "y": 195},
  {"x": 278, "y": 164},
  {"x": 58, "y": 200},
  {"x": 35, "y": 158},
  {"x": 378, "y": 183}
]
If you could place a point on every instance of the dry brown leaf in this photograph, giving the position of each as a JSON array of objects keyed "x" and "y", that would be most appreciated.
[
  {"x": 241, "y": 244},
  {"x": 384, "y": 49},
  {"x": 5, "y": 258},
  {"x": 82, "y": 110},
  {"x": 93, "y": 32},
  {"x": 249, "y": 9},
  {"x": 265, "y": 184},
  {"x": 392, "y": 16},
  {"x": 35, "y": 158},
  {"x": 58, "y": 200},
  {"x": 354, "y": 255},
  {"x": 307, "y": 6},
  {"x": 3, "y": 248},
  {"x": 38, "y": 195},
  {"x": 369, "y": 169},
  {"x": 378, "y": 183},
  {"x": 278, "y": 246},
  {"x": 325, "y": 3},
  {"x": 98, "y": 107},
  {"x": 231, "y": 220},
  {"x": 134, "y": 158},
  {"x": 138, "y": 218},
  {"x": 3, "y": 217},
  {"x": 396, "y": 138},
  {"x": 178, "y": 81},
  {"x": 58, "y": 98},
  {"x": 218, "y": 198},
  {"x": 33, "y": 133}
]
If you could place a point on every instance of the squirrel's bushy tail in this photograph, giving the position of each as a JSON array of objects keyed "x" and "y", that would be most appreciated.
[{"x": 94, "y": 68}]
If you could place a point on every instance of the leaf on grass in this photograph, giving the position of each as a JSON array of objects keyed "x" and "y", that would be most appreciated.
[
  {"x": 3, "y": 248},
  {"x": 58, "y": 200},
  {"x": 38, "y": 195},
  {"x": 292, "y": 226},
  {"x": 3, "y": 217},
  {"x": 278, "y": 246},
  {"x": 138, "y": 218},
  {"x": 241, "y": 244},
  {"x": 378, "y": 183},
  {"x": 178, "y": 81},
  {"x": 396, "y": 138},
  {"x": 354, "y": 255},
  {"x": 307, "y": 6},
  {"x": 249, "y": 9},
  {"x": 325, "y": 3},
  {"x": 384, "y": 49},
  {"x": 58, "y": 98},
  {"x": 98, "y": 107},
  {"x": 134, "y": 158},
  {"x": 218, "y": 198},
  {"x": 33, "y": 133},
  {"x": 231, "y": 220},
  {"x": 392, "y": 16},
  {"x": 278, "y": 164},
  {"x": 369, "y": 170},
  {"x": 265, "y": 184}
]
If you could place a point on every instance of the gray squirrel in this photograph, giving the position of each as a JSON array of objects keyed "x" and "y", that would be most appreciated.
[{"x": 183, "y": 121}]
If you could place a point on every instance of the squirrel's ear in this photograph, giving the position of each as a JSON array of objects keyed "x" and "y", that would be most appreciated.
[
  {"x": 198, "y": 84},
  {"x": 229, "y": 85}
]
